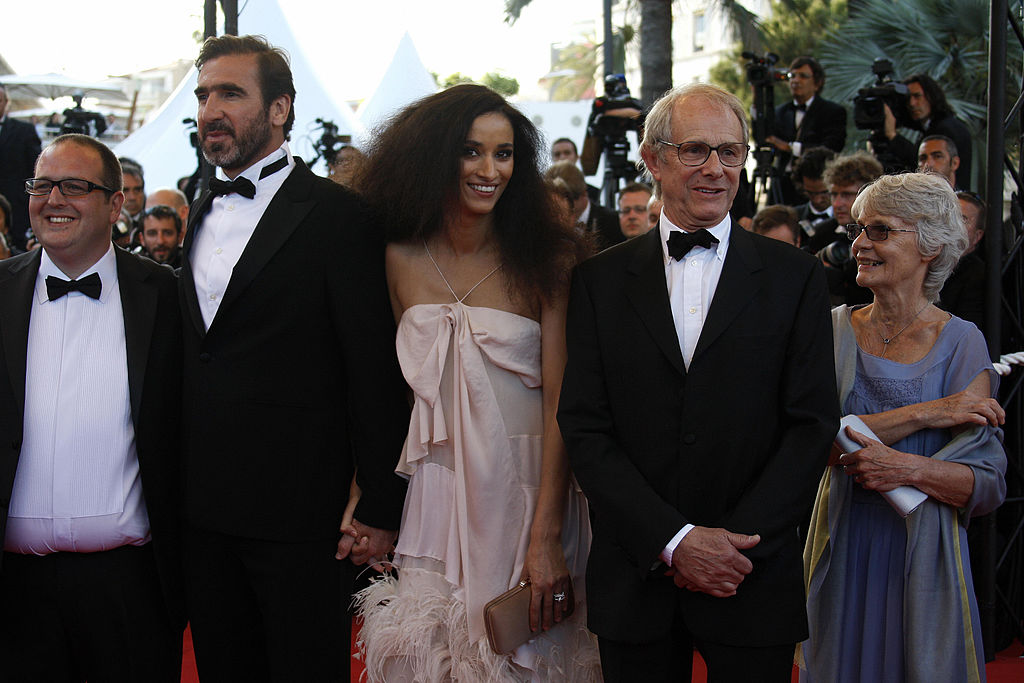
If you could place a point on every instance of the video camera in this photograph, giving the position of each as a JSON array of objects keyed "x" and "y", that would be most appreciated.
[
  {"x": 330, "y": 142},
  {"x": 78, "y": 120},
  {"x": 762, "y": 75},
  {"x": 612, "y": 116},
  {"x": 868, "y": 112}
]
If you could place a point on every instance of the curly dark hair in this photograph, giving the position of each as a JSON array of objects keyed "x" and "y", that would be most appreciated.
[{"x": 411, "y": 181}]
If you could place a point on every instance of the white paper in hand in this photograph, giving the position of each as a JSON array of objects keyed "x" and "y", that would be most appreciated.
[{"x": 903, "y": 499}]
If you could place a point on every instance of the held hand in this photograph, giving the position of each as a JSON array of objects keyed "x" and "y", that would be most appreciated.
[
  {"x": 709, "y": 561},
  {"x": 549, "y": 577},
  {"x": 889, "y": 127},
  {"x": 348, "y": 531},
  {"x": 877, "y": 467},
  {"x": 372, "y": 546},
  {"x": 963, "y": 408}
]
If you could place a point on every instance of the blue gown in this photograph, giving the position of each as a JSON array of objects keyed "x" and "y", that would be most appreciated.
[{"x": 866, "y": 603}]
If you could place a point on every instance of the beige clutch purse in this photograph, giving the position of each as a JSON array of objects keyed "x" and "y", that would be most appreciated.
[{"x": 507, "y": 619}]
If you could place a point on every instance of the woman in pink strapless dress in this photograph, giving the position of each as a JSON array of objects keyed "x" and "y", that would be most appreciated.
[{"x": 477, "y": 265}]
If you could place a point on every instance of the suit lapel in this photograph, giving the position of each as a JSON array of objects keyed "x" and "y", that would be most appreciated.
[
  {"x": 647, "y": 291},
  {"x": 736, "y": 287},
  {"x": 16, "y": 294},
  {"x": 286, "y": 211},
  {"x": 138, "y": 305},
  {"x": 187, "y": 281}
]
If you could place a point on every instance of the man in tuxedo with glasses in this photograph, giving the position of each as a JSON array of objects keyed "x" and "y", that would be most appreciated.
[
  {"x": 698, "y": 408},
  {"x": 90, "y": 374}
]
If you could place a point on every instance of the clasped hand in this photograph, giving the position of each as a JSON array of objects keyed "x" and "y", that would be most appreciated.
[
  {"x": 877, "y": 467},
  {"x": 709, "y": 561}
]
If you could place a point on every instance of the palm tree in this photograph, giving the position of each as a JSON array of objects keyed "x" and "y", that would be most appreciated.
[{"x": 946, "y": 39}]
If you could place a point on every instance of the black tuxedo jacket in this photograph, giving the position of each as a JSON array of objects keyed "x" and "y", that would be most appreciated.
[
  {"x": 296, "y": 380},
  {"x": 152, "y": 326},
  {"x": 604, "y": 224},
  {"x": 824, "y": 124},
  {"x": 19, "y": 147},
  {"x": 738, "y": 441}
]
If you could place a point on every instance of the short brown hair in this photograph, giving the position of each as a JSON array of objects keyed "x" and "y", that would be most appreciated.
[
  {"x": 858, "y": 168},
  {"x": 775, "y": 215},
  {"x": 110, "y": 175}
]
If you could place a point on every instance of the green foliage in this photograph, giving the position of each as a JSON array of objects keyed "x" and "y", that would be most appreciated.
[
  {"x": 455, "y": 79},
  {"x": 795, "y": 28},
  {"x": 576, "y": 65},
  {"x": 501, "y": 84},
  {"x": 946, "y": 39}
]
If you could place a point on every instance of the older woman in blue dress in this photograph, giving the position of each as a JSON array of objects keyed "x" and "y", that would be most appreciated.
[{"x": 891, "y": 598}]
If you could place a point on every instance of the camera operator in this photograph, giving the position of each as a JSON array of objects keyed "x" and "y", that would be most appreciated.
[
  {"x": 612, "y": 116},
  {"x": 806, "y": 121},
  {"x": 930, "y": 113},
  {"x": 845, "y": 176}
]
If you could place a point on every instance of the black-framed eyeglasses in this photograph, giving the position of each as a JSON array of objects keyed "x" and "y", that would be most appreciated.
[
  {"x": 69, "y": 187},
  {"x": 876, "y": 233},
  {"x": 695, "y": 153}
]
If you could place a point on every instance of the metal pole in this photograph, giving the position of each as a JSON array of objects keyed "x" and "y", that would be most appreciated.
[
  {"x": 993, "y": 285},
  {"x": 609, "y": 42},
  {"x": 230, "y": 8}
]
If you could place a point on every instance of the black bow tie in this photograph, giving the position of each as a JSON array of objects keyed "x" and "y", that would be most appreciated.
[
  {"x": 802, "y": 106},
  {"x": 244, "y": 186},
  {"x": 680, "y": 243},
  {"x": 90, "y": 286},
  {"x": 819, "y": 216}
]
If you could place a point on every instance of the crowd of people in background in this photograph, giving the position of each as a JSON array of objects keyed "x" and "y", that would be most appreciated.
[{"x": 449, "y": 363}]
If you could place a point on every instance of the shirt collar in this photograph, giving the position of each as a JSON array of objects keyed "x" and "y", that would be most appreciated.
[
  {"x": 807, "y": 104},
  {"x": 106, "y": 268},
  {"x": 720, "y": 231},
  {"x": 585, "y": 216}
]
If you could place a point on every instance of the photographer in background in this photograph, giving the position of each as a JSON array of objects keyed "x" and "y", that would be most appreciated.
[
  {"x": 612, "y": 115},
  {"x": 845, "y": 176},
  {"x": 806, "y": 121},
  {"x": 930, "y": 113}
]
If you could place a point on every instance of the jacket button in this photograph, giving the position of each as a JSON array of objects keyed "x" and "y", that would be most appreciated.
[
  {"x": 689, "y": 439},
  {"x": 205, "y": 357}
]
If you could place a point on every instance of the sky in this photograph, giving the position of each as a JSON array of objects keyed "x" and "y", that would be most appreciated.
[{"x": 93, "y": 39}]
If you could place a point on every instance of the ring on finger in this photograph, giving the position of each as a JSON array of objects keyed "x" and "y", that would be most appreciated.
[{"x": 559, "y": 597}]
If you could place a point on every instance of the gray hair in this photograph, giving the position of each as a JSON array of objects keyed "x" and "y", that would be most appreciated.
[
  {"x": 658, "y": 125},
  {"x": 927, "y": 202}
]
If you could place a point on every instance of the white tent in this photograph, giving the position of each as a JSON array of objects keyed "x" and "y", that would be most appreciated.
[
  {"x": 405, "y": 81},
  {"x": 162, "y": 144}
]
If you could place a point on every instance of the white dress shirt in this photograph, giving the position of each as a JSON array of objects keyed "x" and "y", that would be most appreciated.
[
  {"x": 77, "y": 486},
  {"x": 227, "y": 229},
  {"x": 691, "y": 288},
  {"x": 796, "y": 147}
]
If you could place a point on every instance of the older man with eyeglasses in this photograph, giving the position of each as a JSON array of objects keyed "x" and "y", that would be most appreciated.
[
  {"x": 697, "y": 413},
  {"x": 90, "y": 376}
]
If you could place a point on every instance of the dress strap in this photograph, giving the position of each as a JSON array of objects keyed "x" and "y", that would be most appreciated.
[{"x": 445, "y": 280}]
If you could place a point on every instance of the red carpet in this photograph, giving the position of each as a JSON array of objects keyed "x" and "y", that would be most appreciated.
[{"x": 1008, "y": 666}]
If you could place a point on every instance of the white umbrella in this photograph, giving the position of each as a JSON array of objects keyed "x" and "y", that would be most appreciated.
[{"x": 53, "y": 86}]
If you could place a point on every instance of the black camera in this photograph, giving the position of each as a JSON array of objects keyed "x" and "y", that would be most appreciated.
[
  {"x": 868, "y": 112},
  {"x": 330, "y": 142},
  {"x": 612, "y": 116},
  {"x": 836, "y": 254}
]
